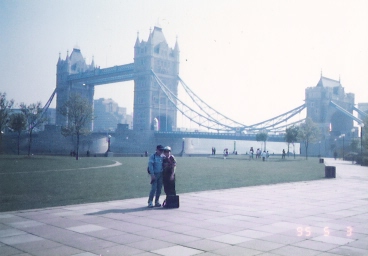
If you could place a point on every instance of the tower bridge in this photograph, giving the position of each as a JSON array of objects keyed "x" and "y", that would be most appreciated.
[
  {"x": 153, "y": 55},
  {"x": 155, "y": 72}
]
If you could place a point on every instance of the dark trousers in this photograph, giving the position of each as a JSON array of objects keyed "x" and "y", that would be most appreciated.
[{"x": 169, "y": 185}]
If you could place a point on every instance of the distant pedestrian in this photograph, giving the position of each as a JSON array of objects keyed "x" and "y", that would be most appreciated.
[
  {"x": 335, "y": 155},
  {"x": 258, "y": 153},
  {"x": 283, "y": 154},
  {"x": 263, "y": 155},
  {"x": 226, "y": 153}
]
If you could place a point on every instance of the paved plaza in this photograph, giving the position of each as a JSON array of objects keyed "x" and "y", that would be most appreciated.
[{"x": 324, "y": 217}]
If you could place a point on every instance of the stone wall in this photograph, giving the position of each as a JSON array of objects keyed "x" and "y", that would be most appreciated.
[
  {"x": 126, "y": 141},
  {"x": 123, "y": 141}
]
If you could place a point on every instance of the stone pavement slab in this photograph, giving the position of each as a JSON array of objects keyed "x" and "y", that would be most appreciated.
[{"x": 326, "y": 217}]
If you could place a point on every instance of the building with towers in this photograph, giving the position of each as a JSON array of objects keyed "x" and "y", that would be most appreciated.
[
  {"x": 152, "y": 109},
  {"x": 152, "y": 59},
  {"x": 330, "y": 107},
  {"x": 73, "y": 64}
]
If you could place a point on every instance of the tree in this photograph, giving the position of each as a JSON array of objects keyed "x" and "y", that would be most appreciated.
[
  {"x": 308, "y": 132},
  {"x": 262, "y": 136},
  {"x": 34, "y": 116},
  {"x": 79, "y": 114},
  {"x": 5, "y": 107},
  {"x": 18, "y": 123},
  {"x": 291, "y": 136}
]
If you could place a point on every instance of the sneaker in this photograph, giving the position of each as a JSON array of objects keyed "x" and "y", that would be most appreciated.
[
  {"x": 157, "y": 204},
  {"x": 150, "y": 205}
]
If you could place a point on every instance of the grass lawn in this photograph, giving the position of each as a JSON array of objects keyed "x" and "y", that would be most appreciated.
[{"x": 45, "y": 181}]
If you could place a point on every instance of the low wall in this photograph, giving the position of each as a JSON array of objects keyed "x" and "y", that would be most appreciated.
[{"x": 122, "y": 142}]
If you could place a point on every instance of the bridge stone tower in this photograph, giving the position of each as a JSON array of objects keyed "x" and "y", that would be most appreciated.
[
  {"x": 73, "y": 64},
  {"x": 323, "y": 102},
  {"x": 152, "y": 109}
]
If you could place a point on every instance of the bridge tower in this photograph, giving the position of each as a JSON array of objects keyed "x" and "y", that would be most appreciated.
[
  {"x": 73, "y": 64},
  {"x": 323, "y": 102},
  {"x": 152, "y": 109}
]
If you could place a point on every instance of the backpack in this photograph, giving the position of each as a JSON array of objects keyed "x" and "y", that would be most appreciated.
[{"x": 171, "y": 201}]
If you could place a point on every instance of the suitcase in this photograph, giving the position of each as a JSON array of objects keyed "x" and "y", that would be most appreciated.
[{"x": 171, "y": 202}]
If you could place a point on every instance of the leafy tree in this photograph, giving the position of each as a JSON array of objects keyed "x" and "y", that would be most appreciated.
[
  {"x": 18, "y": 123},
  {"x": 5, "y": 107},
  {"x": 34, "y": 116},
  {"x": 262, "y": 136},
  {"x": 79, "y": 114},
  {"x": 291, "y": 136},
  {"x": 308, "y": 132}
]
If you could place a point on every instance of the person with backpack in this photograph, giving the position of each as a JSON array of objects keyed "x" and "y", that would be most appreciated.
[{"x": 155, "y": 171}]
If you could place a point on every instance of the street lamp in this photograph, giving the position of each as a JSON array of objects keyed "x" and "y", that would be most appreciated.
[
  {"x": 182, "y": 147},
  {"x": 108, "y": 143},
  {"x": 319, "y": 149},
  {"x": 343, "y": 138},
  {"x": 361, "y": 142}
]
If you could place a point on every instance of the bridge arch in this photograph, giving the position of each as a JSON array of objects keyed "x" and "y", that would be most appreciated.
[
  {"x": 165, "y": 123},
  {"x": 340, "y": 123}
]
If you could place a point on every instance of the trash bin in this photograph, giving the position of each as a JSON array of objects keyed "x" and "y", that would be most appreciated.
[
  {"x": 321, "y": 160},
  {"x": 330, "y": 172}
]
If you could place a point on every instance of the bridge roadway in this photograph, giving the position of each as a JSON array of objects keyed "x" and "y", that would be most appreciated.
[{"x": 212, "y": 135}]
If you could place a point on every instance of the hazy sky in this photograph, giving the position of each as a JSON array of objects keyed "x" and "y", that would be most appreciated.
[{"x": 250, "y": 60}]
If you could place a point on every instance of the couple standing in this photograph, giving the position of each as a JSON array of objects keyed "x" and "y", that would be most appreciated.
[{"x": 161, "y": 167}]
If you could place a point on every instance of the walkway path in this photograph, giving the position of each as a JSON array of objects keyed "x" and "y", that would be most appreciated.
[
  {"x": 117, "y": 163},
  {"x": 325, "y": 217}
]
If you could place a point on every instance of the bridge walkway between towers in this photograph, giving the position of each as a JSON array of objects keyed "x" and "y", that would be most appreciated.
[
  {"x": 212, "y": 135},
  {"x": 99, "y": 76}
]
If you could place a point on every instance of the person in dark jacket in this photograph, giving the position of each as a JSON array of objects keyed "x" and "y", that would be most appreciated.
[{"x": 169, "y": 165}]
